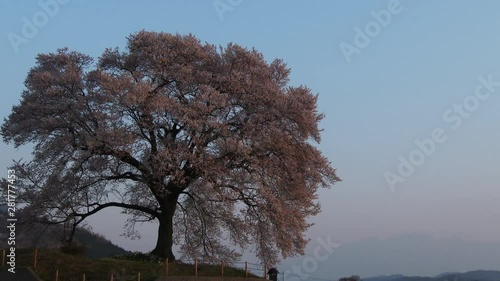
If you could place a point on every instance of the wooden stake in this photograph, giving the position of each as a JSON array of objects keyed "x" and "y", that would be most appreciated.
[
  {"x": 139, "y": 276},
  {"x": 196, "y": 267},
  {"x": 84, "y": 277},
  {"x": 35, "y": 258},
  {"x": 166, "y": 267},
  {"x": 112, "y": 277},
  {"x": 57, "y": 274},
  {"x": 246, "y": 269},
  {"x": 265, "y": 273}
]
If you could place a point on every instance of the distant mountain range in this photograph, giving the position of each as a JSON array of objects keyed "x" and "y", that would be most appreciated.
[
  {"x": 392, "y": 277},
  {"x": 477, "y": 275},
  {"x": 408, "y": 255}
]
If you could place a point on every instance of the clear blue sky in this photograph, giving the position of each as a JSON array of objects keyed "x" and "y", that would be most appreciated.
[{"x": 394, "y": 90}]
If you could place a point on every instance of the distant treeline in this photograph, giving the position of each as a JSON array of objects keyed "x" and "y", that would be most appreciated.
[{"x": 38, "y": 235}]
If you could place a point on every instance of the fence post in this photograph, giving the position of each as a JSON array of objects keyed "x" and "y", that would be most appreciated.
[
  {"x": 57, "y": 274},
  {"x": 35, "y": 258},
  {"x": 166, "y": 267},
  {"x": 139, "y": 276},
  {"x": 3, "y": 258},
  {"x": 195, "y": 267},
  {"x": 246, "y": 269},
  {"x": 84, "y": 277}
]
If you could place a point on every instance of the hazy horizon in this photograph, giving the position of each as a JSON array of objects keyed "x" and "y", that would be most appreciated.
[{"x": 412, "y": 119}]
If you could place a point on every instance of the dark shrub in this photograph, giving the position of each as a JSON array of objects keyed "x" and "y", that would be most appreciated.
[{"x": 74, "y": 248}]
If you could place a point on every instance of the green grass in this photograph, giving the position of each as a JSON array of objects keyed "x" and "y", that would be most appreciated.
[{"x": 72, "y": 268}]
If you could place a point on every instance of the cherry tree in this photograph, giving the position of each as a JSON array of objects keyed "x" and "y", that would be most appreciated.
[{"x": 211, "y": 142}]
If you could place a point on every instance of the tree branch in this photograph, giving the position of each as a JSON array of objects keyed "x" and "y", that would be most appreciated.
[{"x": 99, "y": 207}]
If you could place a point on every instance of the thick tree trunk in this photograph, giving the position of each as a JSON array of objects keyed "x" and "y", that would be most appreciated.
[{"x": 164, "y": 242}]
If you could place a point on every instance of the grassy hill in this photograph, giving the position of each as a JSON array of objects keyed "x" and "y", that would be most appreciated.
[
  {"x": 36, "y": 235},
  {"x": 72, "y": 268},
  {"x": 97, "y": 246}
]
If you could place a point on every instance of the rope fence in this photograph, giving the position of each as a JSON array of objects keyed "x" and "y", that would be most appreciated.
[{"x": 50, "y": 265}]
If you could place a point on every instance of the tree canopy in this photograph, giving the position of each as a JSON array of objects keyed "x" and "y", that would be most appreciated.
[{"x": 209, "y": 141}]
